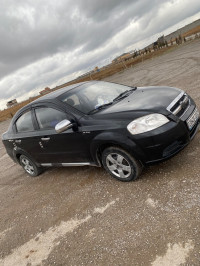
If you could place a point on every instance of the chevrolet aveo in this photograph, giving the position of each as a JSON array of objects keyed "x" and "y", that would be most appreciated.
[{"x": 102, "y": 124}]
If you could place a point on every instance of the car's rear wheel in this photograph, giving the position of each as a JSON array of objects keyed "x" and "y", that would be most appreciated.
[
  {"x": 120, "y": 164},
  {"x": 29, "y": 166}
]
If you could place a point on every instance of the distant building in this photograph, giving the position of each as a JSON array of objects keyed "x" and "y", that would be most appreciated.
[
  {"x": 45, "y": 91},
  {"x": 161, "y": 40},
  {"x": 96, "y": 69},
  {"x": 122, "y": 57},
  {"x": 12, "y": 103}
]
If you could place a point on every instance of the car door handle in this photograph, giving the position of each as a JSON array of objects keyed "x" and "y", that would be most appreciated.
[
  {"x": 18, "y": 141},
  {"x": 45, "y": 138}
]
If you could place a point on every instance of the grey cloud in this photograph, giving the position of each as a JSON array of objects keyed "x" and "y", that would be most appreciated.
[
  {"x": 33, "y": 31},
  {"x": 102, "y": 10}
]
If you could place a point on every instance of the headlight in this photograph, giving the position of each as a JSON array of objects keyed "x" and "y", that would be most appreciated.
[{"x": 147, "y": 123}]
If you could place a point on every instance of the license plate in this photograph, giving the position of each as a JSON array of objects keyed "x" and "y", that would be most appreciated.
[{"x": 191, "y": 121}]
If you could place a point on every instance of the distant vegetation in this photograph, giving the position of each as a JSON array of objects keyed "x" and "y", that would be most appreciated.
[{"x": 192, "y": 31}]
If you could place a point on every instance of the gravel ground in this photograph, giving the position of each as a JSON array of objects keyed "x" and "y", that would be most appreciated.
[{"x": 82, "y": 216}]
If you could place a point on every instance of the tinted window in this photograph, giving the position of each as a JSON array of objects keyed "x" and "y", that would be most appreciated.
[
  {"x": 48, "y": 117},
  {"x": 24, "y": 123}
]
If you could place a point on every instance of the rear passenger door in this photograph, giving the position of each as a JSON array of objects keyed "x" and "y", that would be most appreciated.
[
  {"x": 24, "y": 138},
  {"x": 66, "y": 147}
]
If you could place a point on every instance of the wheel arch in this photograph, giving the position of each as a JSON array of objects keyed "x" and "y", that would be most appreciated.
[
  {"x": 105, "y": 140},
  {"x": 18, "y": 152}
]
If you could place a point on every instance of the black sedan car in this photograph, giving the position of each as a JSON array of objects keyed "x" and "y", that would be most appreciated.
[{"x": 103, "y": 124}]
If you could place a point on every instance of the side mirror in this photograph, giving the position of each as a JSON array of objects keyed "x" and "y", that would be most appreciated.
[{"x": 63, "y": 125}]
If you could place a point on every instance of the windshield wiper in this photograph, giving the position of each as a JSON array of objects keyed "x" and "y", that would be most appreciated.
[
  {"x": 99, "y": 108},
  {"x": 124, "y": 94}
]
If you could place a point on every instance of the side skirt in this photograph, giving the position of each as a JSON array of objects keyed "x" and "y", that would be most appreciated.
[{"x": 68, "y": 164}]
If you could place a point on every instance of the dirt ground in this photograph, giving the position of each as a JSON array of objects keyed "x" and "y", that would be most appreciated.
[{"x": 82, "y": 216}]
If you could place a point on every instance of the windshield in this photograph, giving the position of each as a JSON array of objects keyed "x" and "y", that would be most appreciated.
[{"x": 91, "y": 96}]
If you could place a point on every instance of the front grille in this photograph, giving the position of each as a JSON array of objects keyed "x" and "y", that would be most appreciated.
[{"x": 180, "y": 105}]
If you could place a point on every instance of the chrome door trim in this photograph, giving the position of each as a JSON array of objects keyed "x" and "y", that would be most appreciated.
[
  {"x": 75, "y": 164},
  {"x": 67, "y": 164}
]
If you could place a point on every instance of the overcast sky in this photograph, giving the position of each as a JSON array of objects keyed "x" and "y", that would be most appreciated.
[{"x": 48, "y": 42}]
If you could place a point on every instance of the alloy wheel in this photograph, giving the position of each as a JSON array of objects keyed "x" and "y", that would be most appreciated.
[
  {"x": 118, "y": 165},
  {"x": 28, "y": 166}
]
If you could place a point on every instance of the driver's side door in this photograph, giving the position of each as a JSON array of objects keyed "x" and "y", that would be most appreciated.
[{"x": 65, "y": 147}]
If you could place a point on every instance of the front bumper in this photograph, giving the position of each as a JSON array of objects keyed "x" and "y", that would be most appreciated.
[{"x": 166, "y": 141}]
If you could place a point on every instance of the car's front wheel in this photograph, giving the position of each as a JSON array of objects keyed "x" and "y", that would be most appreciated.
[
  {"x": 120, "y": 164},
  {"x": 29, "y": 166}
]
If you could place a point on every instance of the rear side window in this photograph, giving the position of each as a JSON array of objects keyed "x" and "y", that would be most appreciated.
[
  {"x": 48, "y": 118},
  {"x": 24, "y": 123}
]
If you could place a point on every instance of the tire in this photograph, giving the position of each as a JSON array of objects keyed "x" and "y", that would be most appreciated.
[
  {"x": 120, "y": 164},
  {"x": 29, "y": 166}
]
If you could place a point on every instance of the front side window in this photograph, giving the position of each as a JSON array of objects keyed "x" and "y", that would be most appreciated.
[
  {"x": 24, "y": 123},
  {"x": 48, "y": 117}
]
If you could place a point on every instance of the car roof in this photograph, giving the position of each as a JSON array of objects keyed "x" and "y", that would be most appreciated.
[
  {"x": 55, "y": 94},
  {"x": 52, "y": 95}
]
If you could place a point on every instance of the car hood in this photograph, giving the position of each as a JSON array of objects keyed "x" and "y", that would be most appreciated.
[{"x": 150, "y": 99}]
